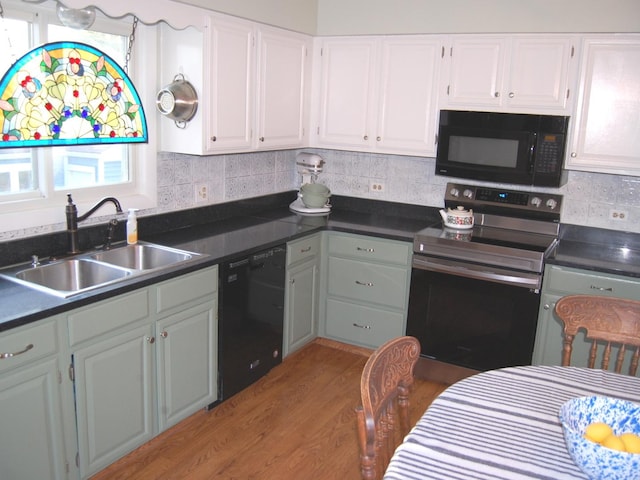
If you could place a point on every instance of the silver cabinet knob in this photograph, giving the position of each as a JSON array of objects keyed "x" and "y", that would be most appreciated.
[
  {"x": 164, "y": 334},
  {"x": 574, "y": 154},
  {"x": 366, "y": 137},
  {"x": 214, "y": 138},
  {"x": 262, "y": 139},
  {"x": 378, "y": 138},
  {"x": 151, "y": 339},
  {"x": 511, "y": 94},
  {"x": 497, "y": 94}
]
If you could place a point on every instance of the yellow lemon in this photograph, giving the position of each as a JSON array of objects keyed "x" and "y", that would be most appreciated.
[
  {"x": 597, "y": 432},
  {"x": 631, "y": 442},
  {"x": 614, "y": 443}
]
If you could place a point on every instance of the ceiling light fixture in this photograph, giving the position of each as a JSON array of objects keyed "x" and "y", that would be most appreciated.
[{"x": 79, "y": 18}]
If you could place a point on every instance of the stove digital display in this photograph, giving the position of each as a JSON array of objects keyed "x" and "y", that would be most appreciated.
[{"x": 501, "y": 196}]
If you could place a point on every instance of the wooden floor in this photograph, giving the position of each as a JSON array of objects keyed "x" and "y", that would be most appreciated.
[{"x": 295, "y": 423}]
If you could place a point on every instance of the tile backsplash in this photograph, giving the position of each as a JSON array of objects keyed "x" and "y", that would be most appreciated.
[{"x": 589, "y": 198}]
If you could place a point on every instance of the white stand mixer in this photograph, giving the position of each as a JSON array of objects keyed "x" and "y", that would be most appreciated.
[{"x": 309, "y": 165}]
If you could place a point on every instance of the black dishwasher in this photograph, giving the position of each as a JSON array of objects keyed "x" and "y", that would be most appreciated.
[{"x": 251, "y": 315}]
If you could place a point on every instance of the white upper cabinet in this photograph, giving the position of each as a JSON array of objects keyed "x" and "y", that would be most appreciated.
[
  {"x": 229, "y": 81},
  {"x": 605, "y": 134},
  {"x": 347, "y": 92},
  {"x": 284, "y": 61},
  {"x": 379, "y": 94},
  {"x": 514, "y": 73},
  {"x": 252, "y": 81}
]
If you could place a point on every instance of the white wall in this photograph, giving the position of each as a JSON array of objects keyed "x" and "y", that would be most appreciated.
[
  {"x": 337, "y": 17},
  {"x": 359, "y": 17},
  {"x": 297, "y": 15}
]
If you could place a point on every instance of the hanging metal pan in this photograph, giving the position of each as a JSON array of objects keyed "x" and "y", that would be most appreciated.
[{"x": 178, "y": 101}]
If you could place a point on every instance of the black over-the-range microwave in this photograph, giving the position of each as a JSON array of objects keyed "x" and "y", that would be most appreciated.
[{"x": 514, "y": 148}]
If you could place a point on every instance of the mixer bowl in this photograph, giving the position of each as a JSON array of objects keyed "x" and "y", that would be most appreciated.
[{"x": 314, "y": 195}]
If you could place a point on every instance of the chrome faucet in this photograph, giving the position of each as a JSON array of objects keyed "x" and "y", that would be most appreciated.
[{"x": 73, "y": 219}]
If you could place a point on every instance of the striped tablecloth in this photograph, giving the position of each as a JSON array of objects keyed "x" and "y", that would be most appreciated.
[{"x": 502, "y": 424}]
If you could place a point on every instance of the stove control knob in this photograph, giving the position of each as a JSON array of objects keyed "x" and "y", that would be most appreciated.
[
  {"x": 468, "y": 193},
  {"x": 551, "y": 204},
  {"x": 536, "y": 202},
  {"x": 454, "y": 192}
]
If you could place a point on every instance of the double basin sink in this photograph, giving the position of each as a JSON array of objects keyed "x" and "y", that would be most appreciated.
[{"x": 83, "y": 272}]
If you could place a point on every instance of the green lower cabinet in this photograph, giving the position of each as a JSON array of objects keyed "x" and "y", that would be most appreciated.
[
  {"x": 301, "y": 293},
  {"x": 187, "y": 363},
  {"x": 114, "y": 383},
  {"x": 366, "y": 289},
  {"x": 36, "y": 442},
  {"x": 142, "y": 362},
  {"x": 302, "y": 306},
  {"x": 561, "y": 281},
  {"x": 32, "y": 441}
]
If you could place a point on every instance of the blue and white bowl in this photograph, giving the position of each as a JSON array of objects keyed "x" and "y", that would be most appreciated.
[{"x": 598, "y": 462}]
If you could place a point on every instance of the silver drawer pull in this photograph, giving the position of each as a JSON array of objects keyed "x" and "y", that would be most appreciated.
[
  {"x": 305, "y": 250},
  {"x": 601, "y": 289},
  {"x": 368, "y": 250},
  {"x": 15, "y": 354},
  {"x": 364, "y": 284},
  {"x": 366, "y": 327}
]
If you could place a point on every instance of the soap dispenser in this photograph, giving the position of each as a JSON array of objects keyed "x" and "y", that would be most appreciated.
[{"x": 132, "y": 227}]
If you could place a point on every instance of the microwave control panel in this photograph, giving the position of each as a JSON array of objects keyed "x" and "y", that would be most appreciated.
[{"x": 549, "y": 153}]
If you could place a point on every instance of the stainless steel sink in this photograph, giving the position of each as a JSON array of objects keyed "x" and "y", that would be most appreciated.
[
  {"x": 84, "y": 272},
  {"x": 72, "y": 276},
  {"x": 143, "y": 256}
]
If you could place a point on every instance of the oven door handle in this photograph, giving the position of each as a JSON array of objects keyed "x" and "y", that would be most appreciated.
[{"x": 478, "y": 272}]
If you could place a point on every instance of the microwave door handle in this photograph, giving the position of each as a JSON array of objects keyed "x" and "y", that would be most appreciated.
[{"x": 533, "y": 144}]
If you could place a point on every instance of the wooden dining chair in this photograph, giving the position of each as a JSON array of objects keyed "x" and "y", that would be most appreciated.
[
  {"x": 383, "y": 417},
  {"x": 608, "y": 320}
]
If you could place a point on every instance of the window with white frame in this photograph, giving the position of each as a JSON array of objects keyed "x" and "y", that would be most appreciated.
[
  {"x": 26, "y": 172},
  {"x": 34, "y": 181}
]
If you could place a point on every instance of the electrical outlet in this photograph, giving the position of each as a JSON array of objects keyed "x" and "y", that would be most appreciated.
[
  {"x": 618, "y": 215},
  {"x": 376, "y": 187},
  {"x": 202, "y": 193}
]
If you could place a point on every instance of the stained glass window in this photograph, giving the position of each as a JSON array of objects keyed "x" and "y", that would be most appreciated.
[{"x": 68, "y": 93}]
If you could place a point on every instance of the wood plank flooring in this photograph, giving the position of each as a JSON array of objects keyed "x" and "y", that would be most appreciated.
[{"x": 297, "y": 422}]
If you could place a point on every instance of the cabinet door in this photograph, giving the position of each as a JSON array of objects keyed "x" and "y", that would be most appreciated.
[
  {"x": 32, "y": 440},
  {"x": 407, "y": 112},
  {"x": 231, "y": 74},
  {"x": 282, "y": 79},
  {"x": 114, "y": 397},
  {"x": 187, "y": 363},
  {"x": 302, "y": 306},
  {"x": 477, "y": 71},
  {"x": 347, "y": 92},
  {"x": 605, "y": 131},
  {"x": 539, "y": 72}
]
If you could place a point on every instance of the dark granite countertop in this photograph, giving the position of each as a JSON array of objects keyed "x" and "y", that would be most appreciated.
[
  {"x": 226, "y": 231},
  {"x": 246, "y": 227},
  {"x": 598, "y": 250}
]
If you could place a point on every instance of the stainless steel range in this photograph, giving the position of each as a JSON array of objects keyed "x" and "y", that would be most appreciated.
[{"x": 475, "y": 292}]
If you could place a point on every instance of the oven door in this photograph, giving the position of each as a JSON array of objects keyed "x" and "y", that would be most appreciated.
[{"x": 470, "y": 318}]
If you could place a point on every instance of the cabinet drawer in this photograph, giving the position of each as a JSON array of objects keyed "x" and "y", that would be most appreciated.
[
  {"x": 368, "y": 248},
  {"x": 374, "y": 283},
  {"x": 108, "y": 315},
  {"x": 302, "y": 249},
  {"x": 23, "y": 345},
  {"x": 590, "y": 283},
  {"x": 362, "y": 325},
  {"x": 181, "y": 290}
]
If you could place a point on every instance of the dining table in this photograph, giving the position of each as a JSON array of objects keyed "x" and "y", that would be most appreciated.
[{"x": 503, "y": 424}]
